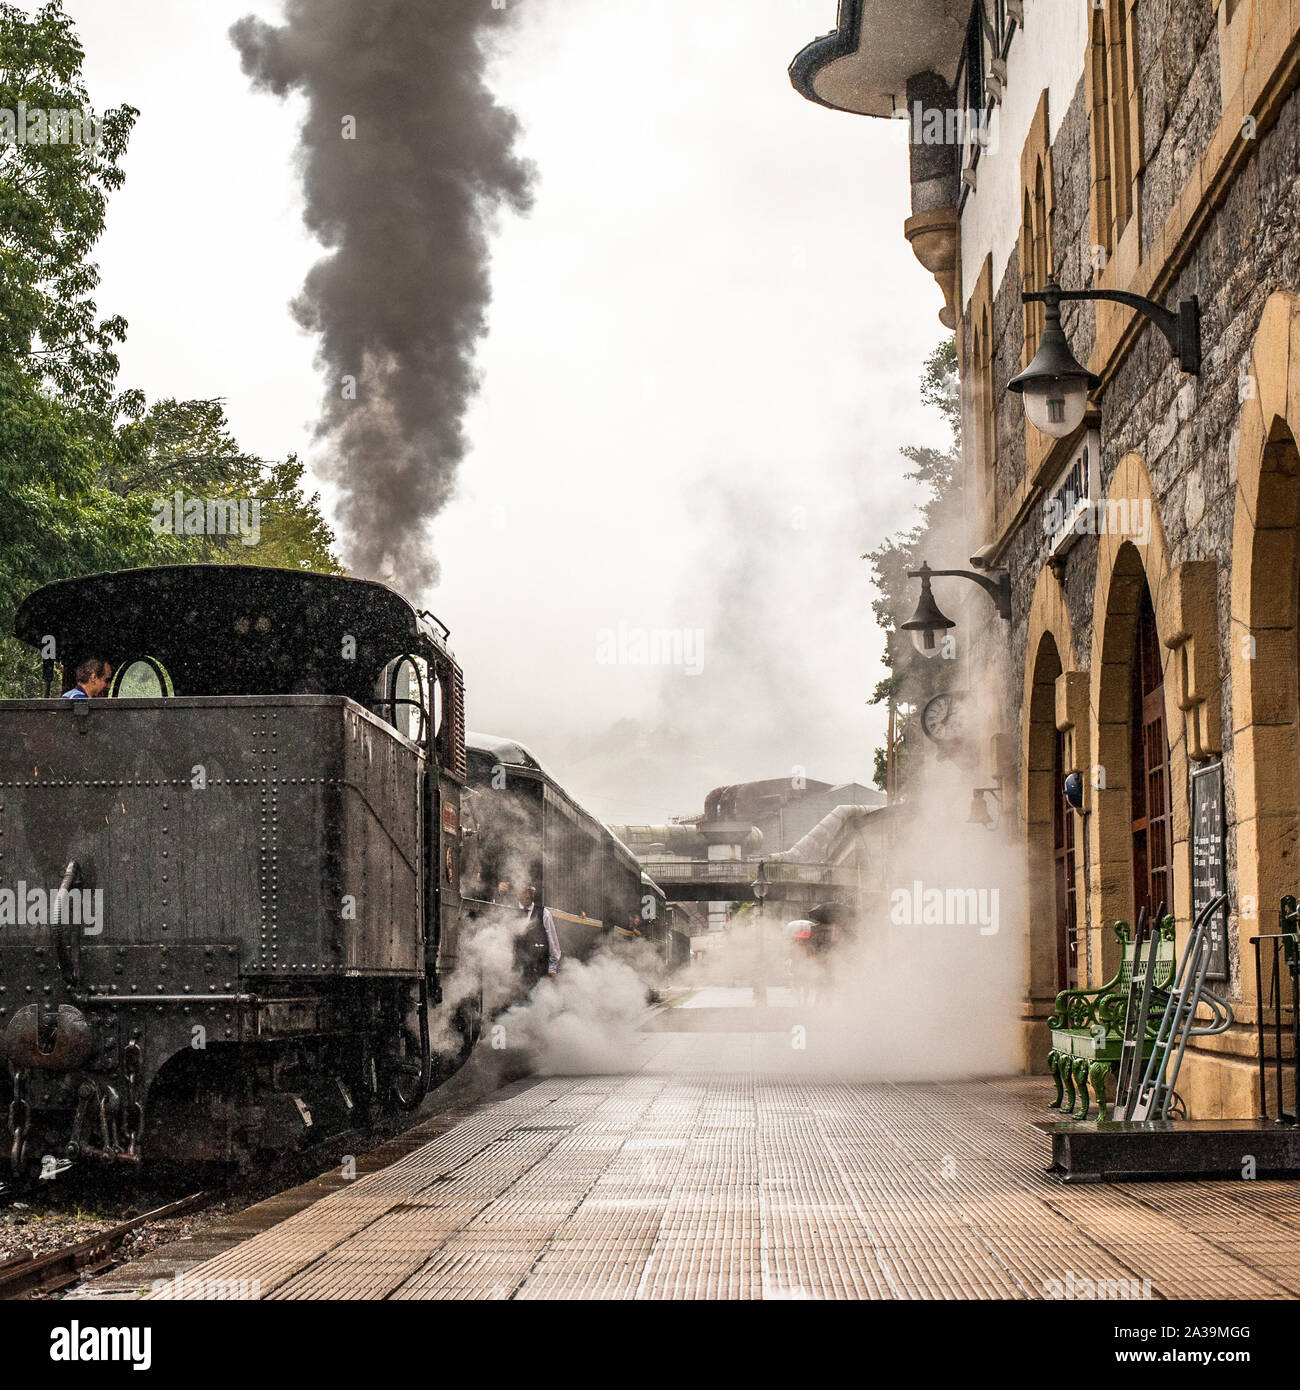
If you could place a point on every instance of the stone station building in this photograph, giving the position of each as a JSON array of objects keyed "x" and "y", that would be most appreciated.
[{"x": 1150, "y": 146}]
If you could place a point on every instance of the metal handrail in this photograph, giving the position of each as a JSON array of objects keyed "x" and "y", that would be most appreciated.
[
  {"x": 1286, "y": 946},
  {"x": 741, "y": 870}
]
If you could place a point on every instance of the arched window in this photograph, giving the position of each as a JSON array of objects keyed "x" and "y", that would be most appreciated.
[
  {"x": 1028, "y": 284},
  {"x": 1098, "y": 61},
  {"x": 1035, "y": 255},
  {"x": 980, "y": 422},
  {"x": 144, "y": 678},
  {"x": 1037, "y": 201},
  {"x": 1152, "y": 823},
  {"x": 437, "y": 701},
  {"x": 1111, "y": 79},
  {"x": 988, "y": 434},
  {"x": 1123, "y": 50},
  {"x": 403, "y": 697},
  {"x": 1042, "y": 247}
]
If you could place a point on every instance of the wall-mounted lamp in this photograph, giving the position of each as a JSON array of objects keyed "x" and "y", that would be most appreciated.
[
  {"x": 1072, "y": 790},
  {"x": 1055, "y": 384},
  {"x": 979, "y": 807},
  {"x": 928, "y": 623},
  {"x": 760, "y": 885}
]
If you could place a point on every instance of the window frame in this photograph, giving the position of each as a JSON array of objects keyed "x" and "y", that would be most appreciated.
[{"x": 166, "y": 688}]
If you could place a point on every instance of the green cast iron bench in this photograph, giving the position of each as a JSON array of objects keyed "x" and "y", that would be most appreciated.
[{"x": 1087, "y": 1025}]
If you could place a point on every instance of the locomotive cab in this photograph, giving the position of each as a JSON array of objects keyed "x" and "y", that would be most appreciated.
[{"x": 228, "y": 888}]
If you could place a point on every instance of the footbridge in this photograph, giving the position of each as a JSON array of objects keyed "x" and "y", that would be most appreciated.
[{"x": 732, "y": 880}]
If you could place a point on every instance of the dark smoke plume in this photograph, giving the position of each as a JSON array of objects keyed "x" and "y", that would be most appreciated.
[{"x": 406, "y": 209}]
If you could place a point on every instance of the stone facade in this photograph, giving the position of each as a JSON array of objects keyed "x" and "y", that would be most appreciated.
[
  {"x": 1177, "y": 434},
  {"x": 1153, "y": 149}
]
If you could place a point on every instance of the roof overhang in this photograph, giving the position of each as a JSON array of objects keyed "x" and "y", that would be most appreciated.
[{"x": 863, "y": 66}]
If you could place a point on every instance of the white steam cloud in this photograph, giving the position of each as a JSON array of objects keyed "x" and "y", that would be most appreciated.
[{"x": 585, "y": 1021}]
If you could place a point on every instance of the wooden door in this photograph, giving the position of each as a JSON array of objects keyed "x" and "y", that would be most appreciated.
[
  {"x": 1152, "y": 845},
  {"x": 1067, "y": 920}
]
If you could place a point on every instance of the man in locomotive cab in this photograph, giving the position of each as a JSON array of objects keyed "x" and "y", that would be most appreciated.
[
  {"x": 93, "y": 677},
  {"x": 528, "y": 906}
]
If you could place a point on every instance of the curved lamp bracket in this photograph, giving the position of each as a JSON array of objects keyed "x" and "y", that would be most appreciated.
[
  {"x": 998, "y": 587},
  {"x": 1182, "y": 328}
]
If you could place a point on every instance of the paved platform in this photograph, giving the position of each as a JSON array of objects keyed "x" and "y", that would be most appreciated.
[
  {"x": 717, "y": 1170},
  {"x": 724, "y": 997}
]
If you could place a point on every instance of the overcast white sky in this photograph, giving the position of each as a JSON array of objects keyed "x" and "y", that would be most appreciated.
[{"x": 704, "y": 355}]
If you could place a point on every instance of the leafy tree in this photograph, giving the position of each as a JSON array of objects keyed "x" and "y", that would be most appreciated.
[
  {"x": 186, "y": 447},
  {"x": 912, "y": 679},
  {"x": 53, "y": 197},
  {"x": 81, "y": 464},
  {"x": 58, "y": 365}
]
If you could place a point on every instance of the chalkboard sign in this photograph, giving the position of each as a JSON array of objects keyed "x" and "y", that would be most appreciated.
[{"x": 1209, "y": 861}]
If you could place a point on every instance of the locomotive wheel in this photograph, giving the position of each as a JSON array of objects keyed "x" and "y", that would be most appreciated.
[
  {"x": 469, "y": 1022},
  {"x": 408, "y": 1069},
  {"x": 407, "y": 1085}
]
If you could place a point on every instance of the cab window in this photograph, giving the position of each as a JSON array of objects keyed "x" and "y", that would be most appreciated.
[
  {"x": 142, "y": 679},
  {"x": 436, "y": 712},
  {"x": 404, "y": 696}
]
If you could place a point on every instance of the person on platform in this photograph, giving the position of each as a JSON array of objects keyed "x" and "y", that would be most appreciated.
[
  {"x": 803, "y": 964},
  {"x": 93, "y": 677},
  {"x": 528, "y": 905}
]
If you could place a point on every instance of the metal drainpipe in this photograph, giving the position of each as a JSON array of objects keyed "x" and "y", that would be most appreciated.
[{"x": 1087, "y": 899}]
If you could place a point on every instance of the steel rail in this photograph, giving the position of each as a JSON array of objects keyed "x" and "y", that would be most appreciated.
[{"x": 30, "y": 1276}]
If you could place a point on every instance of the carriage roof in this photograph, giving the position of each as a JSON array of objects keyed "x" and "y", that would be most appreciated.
[{"x": 511, "y": 753}]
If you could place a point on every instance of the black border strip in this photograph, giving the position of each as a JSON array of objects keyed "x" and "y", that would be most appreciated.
[{"x": 820, "y": 53}]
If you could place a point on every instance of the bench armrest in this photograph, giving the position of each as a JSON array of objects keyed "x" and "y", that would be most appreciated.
[{"x": 1072, "y": 1009}]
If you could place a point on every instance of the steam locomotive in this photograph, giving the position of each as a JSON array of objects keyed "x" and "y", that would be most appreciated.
[
  {"x": 532, "y": 833},
  {"x": 230, "y": 893}
]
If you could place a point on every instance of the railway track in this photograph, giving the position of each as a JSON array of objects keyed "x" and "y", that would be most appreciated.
[
  {"x": 32, "y": 1276},
  {"x": 27, "y": 1275}
]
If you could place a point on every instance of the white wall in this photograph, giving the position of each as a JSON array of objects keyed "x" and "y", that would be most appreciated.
[{"x": 1048, "y": 52}]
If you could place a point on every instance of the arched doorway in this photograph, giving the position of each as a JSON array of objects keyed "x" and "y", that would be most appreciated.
[
  {"x": 1265, "y": 664},
  {"x": 1049, "y": 857},
  {"x": 1262, "y": 652},
  {"x": 1149, "y": 766},
  {"x": 1063, "y": 859},
  {"x": 1138, "y": 832}
]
